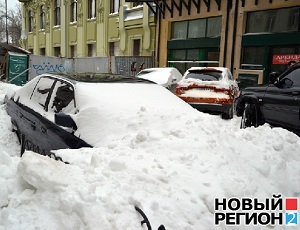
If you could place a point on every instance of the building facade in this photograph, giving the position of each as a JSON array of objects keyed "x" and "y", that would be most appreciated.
[
  {"x": 251, "y": 37},
  {"x": 77, "y": 28}
]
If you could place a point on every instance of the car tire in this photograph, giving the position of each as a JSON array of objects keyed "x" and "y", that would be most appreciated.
[
  {"x": 228, "y": 115},
  {"x": 249, "y": 117}
]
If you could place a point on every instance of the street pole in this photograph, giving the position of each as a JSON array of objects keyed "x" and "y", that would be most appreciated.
[{"x": 6, "y": 22}]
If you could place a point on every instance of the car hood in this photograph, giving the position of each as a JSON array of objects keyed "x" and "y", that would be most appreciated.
[{"x": 127, "y": 108}]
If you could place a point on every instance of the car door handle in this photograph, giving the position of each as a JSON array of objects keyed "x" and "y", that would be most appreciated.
[
  {"x": 33, "y": 126},
  {"x": 295, "y": 93},
  {"x": 44, "y": 130},
  {"x": 32, "y": 123}
]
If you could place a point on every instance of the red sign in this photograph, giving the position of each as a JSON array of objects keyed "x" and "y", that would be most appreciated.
[{"x": 281, "y": 59}]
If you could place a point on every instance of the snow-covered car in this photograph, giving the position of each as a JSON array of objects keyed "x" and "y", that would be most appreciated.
[
  {"x": 166, "y": 76},
  {"x": 209, "y": 89},
  {"x": 54, "y": 112}
]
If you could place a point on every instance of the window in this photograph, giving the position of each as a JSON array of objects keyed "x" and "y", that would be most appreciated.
[
  {"x": 136, "y": 47},
  {"x": 114, "y": 48},
  {"x": 42, "y": 17},
  {"x": 73, "y": 12},
  {"x": 214, "y": 27},
  {"x": 252, "y": 58},
  {"x": 137, "y": 4},
  {"x": 179, "y": 30},
  {"x": 30, "y": 21},
  {"x": 200, "y": 28},
  {"x": 57, "y": 52},
  {"x": 205, "y": 75},
  {"x": 91, "y": 9},
  {"x": 41, "y": 92},
  {"x": 186, "y": 58},
  {"x": 274, "y": 21},
  {"x": 57, "y": 12},
  {"x": 91, "y": 50},
  {"x": 294, "y": 76},
  {"x": 197, "y": 28},
  {"x": 62, "y": 99},
  {"x": 114, "y": 6},
  {"x": 42, "y": 51},
  {"x": 73, "y": 51}
]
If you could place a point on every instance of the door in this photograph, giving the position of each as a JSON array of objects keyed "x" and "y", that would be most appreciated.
[
  {"x": 17, "y": 66},
  {"x": 281, "y": 105}
]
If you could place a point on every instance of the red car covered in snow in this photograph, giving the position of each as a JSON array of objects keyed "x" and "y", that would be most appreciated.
[{"x": 209, "y": 89}]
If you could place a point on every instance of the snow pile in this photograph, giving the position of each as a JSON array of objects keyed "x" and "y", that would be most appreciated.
[{"x": 172, "y": 169}]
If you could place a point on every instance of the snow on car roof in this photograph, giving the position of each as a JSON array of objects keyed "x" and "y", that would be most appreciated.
[
  {"x": 124, "y": 106},
  {"x": 162, "y": 76}
]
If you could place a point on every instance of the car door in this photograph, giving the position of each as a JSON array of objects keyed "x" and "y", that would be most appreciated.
[
  {"x": 281, "y": 103},
  {"x": 32, "y": 112},
  {"x": 62, "y": 100}
]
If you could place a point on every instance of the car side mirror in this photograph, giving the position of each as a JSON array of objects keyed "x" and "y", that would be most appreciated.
[
  {"x": 273, "y": 78},
  {"x": 64, "y": 120},
  {"x": 287, "y": 83}
]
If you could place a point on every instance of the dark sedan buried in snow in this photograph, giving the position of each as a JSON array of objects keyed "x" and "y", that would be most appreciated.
[
  {"x": 277, "y": 104},
  {"x": 55, "y": 112}
]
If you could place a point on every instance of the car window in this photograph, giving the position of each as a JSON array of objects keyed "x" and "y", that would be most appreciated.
[
  {"x": 204, "y": 75},
  {"x": 62, "y": 99},
  {"x": 295, "y": 77},
  {"x": 42, "y": 91}
]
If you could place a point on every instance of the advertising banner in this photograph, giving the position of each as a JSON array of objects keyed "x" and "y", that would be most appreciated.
[{"x": 283, "y": 59}]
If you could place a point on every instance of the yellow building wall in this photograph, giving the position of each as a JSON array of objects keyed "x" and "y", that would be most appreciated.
[{"x": 103, "y": 29}]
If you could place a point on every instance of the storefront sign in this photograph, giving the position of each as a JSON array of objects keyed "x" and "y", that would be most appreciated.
[{"x": 281, "y": 59}]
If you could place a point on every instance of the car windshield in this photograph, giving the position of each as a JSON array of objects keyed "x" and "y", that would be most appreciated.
[
  {"x": 145, "y": 72},
  {"x": 205, "y": 75}
]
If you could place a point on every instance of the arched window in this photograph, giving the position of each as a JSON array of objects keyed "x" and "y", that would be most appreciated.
[
  {"x": 73, "y": 11},
  {"x": 57, "y": 12},
  {"x": 91, "y": 9},
  {"x": 30, "y": 21},
  {"x": 42, "y": 16}
]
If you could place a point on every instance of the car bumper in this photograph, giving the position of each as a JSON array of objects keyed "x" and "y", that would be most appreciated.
[{"x": 220, "y": 108}]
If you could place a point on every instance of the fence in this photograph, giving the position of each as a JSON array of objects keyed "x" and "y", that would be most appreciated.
[{"x": 125, "y": 65}]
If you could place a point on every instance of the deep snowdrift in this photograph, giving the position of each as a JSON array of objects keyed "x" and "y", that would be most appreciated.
[{"x": 172, "y": 171}]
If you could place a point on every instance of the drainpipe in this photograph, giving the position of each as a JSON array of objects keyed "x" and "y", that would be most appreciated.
[
  {"x": 229, "y": 5},
  {"x": 66, "y": 29},
  {"x": 158, "y": 35},
  {"x": 236, "y": 7}
]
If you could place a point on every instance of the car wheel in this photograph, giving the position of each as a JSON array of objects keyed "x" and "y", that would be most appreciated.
[
  {"x": 249, "y": 117},
  {"x": 228, "y": 115}
]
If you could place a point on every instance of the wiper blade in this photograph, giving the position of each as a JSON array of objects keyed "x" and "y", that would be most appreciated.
[{"x": 146, "y": 221}]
